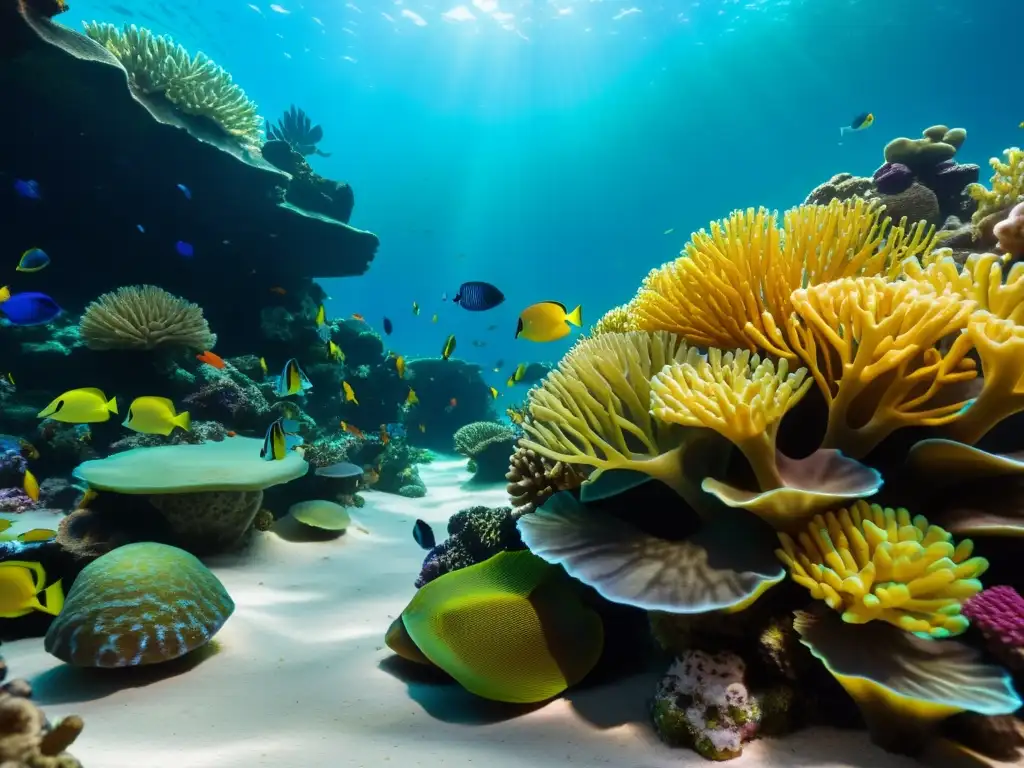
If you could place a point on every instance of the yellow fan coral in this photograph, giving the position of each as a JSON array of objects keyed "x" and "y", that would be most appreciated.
[
  {"x": 877, "y": 564},
  {"x": 1007, "y": 185},
  {"x": 731, "y": 287},
  {"x": 872, "y": 347},
  {"x": 594, "y": 409},
  {"x": 144, "y": 317},
  {"x": 195, "y": 85},
  {"x": 744, "y": 398}
]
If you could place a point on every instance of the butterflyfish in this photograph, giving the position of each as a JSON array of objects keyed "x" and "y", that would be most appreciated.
[
  {"x": 494, "y": 392},
  {"x": 30, "y": 485},
  {"x": 547, "y": 321},
  {"x": 449, "y": 347},
  {"x": 517, "y": 375},
  {"x": 21, "y": 584},
  {"x": 211, "y": 359},
  {"x": 280, "y": 439},
  {"x": 350, "y": 395},
  {"x": 155, "y": 416},
  {"x": 33, "y": 260},
  {"x": 292, "y": 380},
  {"x": 411, "y": 398},
  {"x": 334, "y": 352},
  {"x": 80, "y": 406},
  {"x": 861, "y": 122},
  {"x": 477, "y": 296}
]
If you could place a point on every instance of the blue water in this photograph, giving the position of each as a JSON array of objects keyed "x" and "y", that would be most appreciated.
[{"x": 548, "y": 146}]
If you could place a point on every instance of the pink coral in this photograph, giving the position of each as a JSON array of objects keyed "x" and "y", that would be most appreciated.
[
  {"x": 998, "y": 613},
  {"x": 1010, "y": 231}
]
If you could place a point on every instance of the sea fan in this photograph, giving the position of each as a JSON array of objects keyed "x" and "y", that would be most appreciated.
[{"x": 297, "y": 130}]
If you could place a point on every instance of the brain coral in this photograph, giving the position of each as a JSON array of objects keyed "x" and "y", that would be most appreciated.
[
  {"x": 144, "y": 317},
  {"x": 139, "y": 604}
]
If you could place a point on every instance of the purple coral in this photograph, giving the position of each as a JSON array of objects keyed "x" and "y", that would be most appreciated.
[
  {"x": 15, "y": 500},
  {"x": 998, "y": 612},
  {"x": 893, "y": 178}
]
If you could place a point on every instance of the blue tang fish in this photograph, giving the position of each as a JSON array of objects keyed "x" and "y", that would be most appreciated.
[
  {"x": 184, "y": 249},
  {"x": 29, "y": 189},
  {"x": 29, "y": 309},
  {"x": 185, "y": 191},
  {"x": 478, "y": 297},
  {"x": 33, "y": 260},
  {"x": 424, "y": 535}
]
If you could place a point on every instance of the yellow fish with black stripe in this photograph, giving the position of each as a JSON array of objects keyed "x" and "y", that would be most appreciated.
[
  {"x": 449, "y": 347},
  {"x": 155, "y": 416},
  {"x": 21, "y": 584},
  {"x": 292, "y": 380},
  {"x": 281, "y": 437},
  {"x": 87, "y": 405},
  {"x": 547, "y": 321}
]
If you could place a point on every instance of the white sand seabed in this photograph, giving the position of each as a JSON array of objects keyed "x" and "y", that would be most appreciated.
[{"x": 298, "y": 679}]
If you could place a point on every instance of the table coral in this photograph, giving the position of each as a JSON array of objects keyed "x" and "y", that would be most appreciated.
[
  {"x": 878, "y": 564},
  {"x": 703, "y": 702},
  {"x": 27, "y": 738},
  {"x": 142, "y": 603},
  {"x": 998, "y": 613}
]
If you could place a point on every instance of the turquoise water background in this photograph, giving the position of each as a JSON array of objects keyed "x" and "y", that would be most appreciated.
[{"x": 547, "y": 147}]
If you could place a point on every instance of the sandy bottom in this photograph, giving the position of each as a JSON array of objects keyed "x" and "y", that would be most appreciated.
[{"x": 301, "y": 677}]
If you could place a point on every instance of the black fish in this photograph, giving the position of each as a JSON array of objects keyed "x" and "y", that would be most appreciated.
[
  {"x": 424, "y": 535},
  {"x": 477, "y": 297},
  {"x": 388, "y": 327}
]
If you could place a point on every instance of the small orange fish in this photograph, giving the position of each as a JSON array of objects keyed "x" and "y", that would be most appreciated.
[
  {"x": 358, "y": 317},
  {"x": 385, "y": 438},
  {"x": 210, "y": 359},
  {"x": 453, "y": 402},
  {"x": 231, "y": 433},
  {"x": 353, "y": 430},
  {"x": 278, "y": 290}
]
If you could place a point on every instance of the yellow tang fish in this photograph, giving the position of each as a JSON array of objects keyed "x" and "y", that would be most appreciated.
[
  {"x": 80, "y": 406},
  {"x": 400, "y": 366},
  {"x": 350, "y": 395},
  {"x": 37, "y": 534},
  {"x": 321, "y": 316},
  {"x": 449, "y": 347},
  {"x": 155, "y": 416},
  {"x": 21, "y": 583},
  {"x": 31, "y": 486},
  {"x": 494, "y": 392},
  {"x": 546, "y": 321},
  {"x": 334, "y": 352},
  {"x": 411, "y": 398},
  {"x": 263, "y": 366}
]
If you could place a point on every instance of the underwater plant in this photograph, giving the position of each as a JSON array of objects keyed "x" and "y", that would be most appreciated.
[
  {"x": 297, "y": 131},
  {"x": 144, "y": 317},
  {"x": 193, "y": 84},
  {"x": 865, "y": 329}
]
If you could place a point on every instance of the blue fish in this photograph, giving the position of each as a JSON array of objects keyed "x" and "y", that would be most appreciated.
[
  {"x": 424, "y": 535},
  {"x": 185, "y": 191},
  {"x": 477, "y": 296},
  {"x": 33, "y": 260},
  {"x": 185, "y": 249},
  {"x": 141, "y": 228},
  {"x": 30, "y": 309},
  {"x": 396, "y": 431},
  {"x": 29, "y": 189}
]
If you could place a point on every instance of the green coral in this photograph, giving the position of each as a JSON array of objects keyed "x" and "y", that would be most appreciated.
[
  {"x": 488, "y": 445},
  {"x": 1007, "y": 185},
  {"x": 194, "y": 84},
  {"x": 412, "y": 491}
]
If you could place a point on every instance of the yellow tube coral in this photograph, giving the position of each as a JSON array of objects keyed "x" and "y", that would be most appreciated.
[
  {"x": 731, "y": 286},
  {"x": 872, "y": 346},
  {"x": 740, "y": 396},
  {"x": 1007, "y": 185},
  {"x": 877, "y": 564},
  {"x": 980, "y": 279}
]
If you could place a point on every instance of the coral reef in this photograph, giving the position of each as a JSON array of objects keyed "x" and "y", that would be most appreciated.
[
  {"x": 433, "y": 420},
  {"x": 474, "y": 535},
  {"x": 488, "y": 444},
  {"x": 998, "y": 613},
  {"x": 298, "y": 132},
  {"x": 194, "y": 84},
  {"x": 144, "y": 317},
  {"x": 1010, "y": 232},
  {"x": 533, "y": 478},
  {"x": 140, "y": 604},
  {"x": 27, "y": 738},
  {"x": 703, "y": 703},
  {"x": 308, "y": 190}
]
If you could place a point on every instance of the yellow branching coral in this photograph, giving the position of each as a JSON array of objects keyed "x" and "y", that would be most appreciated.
[
  {"x": 616, "y": 320},
  {"x": 980, "y": 279},
  {"x": 195, "y": 85},
  {"x": 594, "y": 409},
  {"x": 731, "y": 287},
  {"x": 738, "y": 395},
  {"x": 878, "y": 564},
  {"x": 872, "y": 347},
  {"x": 1007, "y": 185}
]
